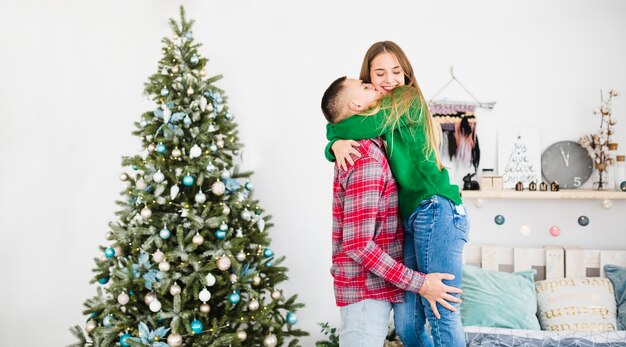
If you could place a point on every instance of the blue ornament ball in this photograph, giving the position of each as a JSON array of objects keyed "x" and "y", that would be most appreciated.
[
  {"x": 164, "y": 92},
  {"x": 499, "y": 219},
  {"x": 188, "y": 180},
  {"x": 135, "y": 167},
  {"x": 160, "y": 148},
  {"x": 109, "y": 252},
  {"x": 104, "y": 280},
  {"x": 229, "y": 116},
  {"x": 165, "y": 233},
  {"x": 268, "y": 253},
  {"x": 292, "y": 318},
  {"x": 130, "y": 292},
  {"x": 234, "y": 298},
  {"x": 249, "y": 186},
  {"x": 123, "y": 340},
  {"x": 196, "y": 326},
  {"x": 622, "y": 186},
  {"x": 269, "y": 263},
  {"x": 220, "y": 234},
  {"x": 583, "y": 221}
]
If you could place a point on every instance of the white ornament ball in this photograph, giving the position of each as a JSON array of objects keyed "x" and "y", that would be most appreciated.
[
  {"x": 276, "y": 295},
  {"x": 225, "y": 174},
  {"x": 175, "y": 289},
  {"x": 90, "y": 326},
  {"x": 158, "y": 256},
  {"x": 149, "y": 298},
  {"x": 233, "y": 278},
  {"x": 189, "y": 91},
  {"x": 242, "y": 335},
  {"x": 203, "y": 72},
  {"x": 175, "y": 68},
  {"x": 607, "y": 204},
  {"x": 204, "y": 295},
  {"x": 146, "y": 213},
  {"x": 205, "y": 308},
  {"x": 246, "y": 215},
  {"x": 270, "y": 341},
  {"x": 176, "y": 153},
  {"x": 160, "y": 200},
  {"x": 175, "y": 340},
  {"x": 164, "y": 266},
  {"x": 200, "y": 198},
  {"x": 195, "y": 151},
  {"x": 151, "y": 147},
  {"x": 155, "y": 306},
  {"x": 123, "y": 298},
  {"x": 141, "y": 184},
  {"x": 524, "y": 230},
  {"x": 197, "y": 239},
  {"x": 118, "y": 251},
  {"x": 253, "y": 305},
  {"x": 219, "y": 143},
  {"x": 218, "y": 188},
  {"x": 256, "y": 280},
  {"x": 223, "y": 263},
  {"x": 210, "y": 279},
  {"x": 158, "y": 177},
  {"x": 123, "y": 177},
  {"x": 226, "y": 210},
  {"x": 241, "y": 256}
]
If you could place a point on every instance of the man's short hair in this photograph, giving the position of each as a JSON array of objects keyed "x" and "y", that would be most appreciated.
[{"x": 331, "y": 106}]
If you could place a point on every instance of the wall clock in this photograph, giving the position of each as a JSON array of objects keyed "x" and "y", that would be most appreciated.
[{"x": 567, "y": 163}]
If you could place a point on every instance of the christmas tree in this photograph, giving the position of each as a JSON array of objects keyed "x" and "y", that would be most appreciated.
[{"x": 189, "y": 262}]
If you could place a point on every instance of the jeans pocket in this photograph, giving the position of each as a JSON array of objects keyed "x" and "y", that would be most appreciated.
[{"x": 461, "y": 222}]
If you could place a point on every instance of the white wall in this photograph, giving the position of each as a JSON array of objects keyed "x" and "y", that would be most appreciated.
[{"x": 72, "y": 74}]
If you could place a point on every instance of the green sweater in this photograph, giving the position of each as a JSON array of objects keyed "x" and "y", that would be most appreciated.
[{"x": 418, "y": 176}]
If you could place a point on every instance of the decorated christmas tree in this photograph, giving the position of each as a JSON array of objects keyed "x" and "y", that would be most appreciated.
[{"x": 188, "y": 261}]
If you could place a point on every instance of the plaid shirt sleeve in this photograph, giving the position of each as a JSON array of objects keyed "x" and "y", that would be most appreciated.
[{"x": 364, "y": 185}]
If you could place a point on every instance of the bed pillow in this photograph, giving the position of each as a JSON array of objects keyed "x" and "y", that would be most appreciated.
[
  {"x": 617, "y": 276},
  {"x": 577, "y": 304},
  {"x": 498, "y": 299}
]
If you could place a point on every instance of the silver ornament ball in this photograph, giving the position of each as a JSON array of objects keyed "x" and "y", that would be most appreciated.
[
  {"x": 256, "y": 280},
  {"x": 146, "y": 213},
  {"x": 123, "y": 177},
  {"x": 155, "y": 306},
  {"x": 270, "y": 341},
  {"x": 253, "y": 305},
  {"x": 204, "y": 295},
  {"x": 205, "y": 308},
  {"x": 197, "y": 239},
  {"x": 210, "y": 279},
  {"x": 158, "y": 256},
  {"x": 164, "y": 266},
  {"x": 241, "y": 256},
  {"x": 276, "y": 295},
  {"x": 223, "y": 263},
  {"x": 200, "y": 198},
  {"x": 175, "y": 289},
  {"x": 149, "y": 298},
  {"x": 242, "y": 335},
  {"x": 175, "y": 340}
]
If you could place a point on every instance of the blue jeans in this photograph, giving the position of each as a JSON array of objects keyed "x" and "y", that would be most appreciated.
[
  {"x": 434, "y": 237},
  {"x": 364, "y": 323}
]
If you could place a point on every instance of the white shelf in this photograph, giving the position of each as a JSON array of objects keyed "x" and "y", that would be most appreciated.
[{"x": 574, "y": 194}]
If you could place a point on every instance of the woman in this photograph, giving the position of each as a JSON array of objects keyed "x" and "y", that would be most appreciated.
[{"x": 436, "y": 225}]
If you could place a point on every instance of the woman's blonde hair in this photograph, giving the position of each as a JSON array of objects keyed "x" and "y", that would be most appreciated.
[{"x": 400, "y": 103}]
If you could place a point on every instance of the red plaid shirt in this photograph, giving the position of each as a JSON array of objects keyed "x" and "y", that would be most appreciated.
[{"x": 367, "y": 232}]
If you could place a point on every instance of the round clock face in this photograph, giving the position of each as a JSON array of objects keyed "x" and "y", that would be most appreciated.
[{"x": 567, "y": 163}]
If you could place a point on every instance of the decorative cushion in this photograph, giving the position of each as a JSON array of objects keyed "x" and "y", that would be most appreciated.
[
  {"x": 578, "y": 304},
  {"x": 617, "y": 276},
  {"x": 498, "y": 299}
]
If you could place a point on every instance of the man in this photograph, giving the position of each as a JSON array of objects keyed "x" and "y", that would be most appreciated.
[{"x": 367, "y": 232}]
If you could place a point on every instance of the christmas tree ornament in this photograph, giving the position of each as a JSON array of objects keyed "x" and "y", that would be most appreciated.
[
  {"x": 291, "y": 318},
  {"x": 158, "y": 177},
  {"x": 234, "y": 298},
  {"x": 151, "y": 147},
  {"x": 210, "y": 279},
  {"x": 164, "y": 266},
  {"x": 226, "y": 210},
  {"x": 203, "y": 103},
  {"x": 91, "y": 324},
  {"x": 149, "y": 297},
  {"x": 253, "y": 305},
  {"x": 155, "y": 306},
  {"x": 174, "y": 192},
  {"x": 246, "y": 215},
  {"x": 268, "y": 263},
  {"x": 205, "y": 308},
  {"x": 187, "y": 122},
  {"x": 175, "y": 340},
  {"x": 220, "y": 234},
  {"x": 140, "y": 184},
  {"x": 164, "y": 92},
  {"x": 188, "y": 180},
  {"x": 165, "y": 233},
  {"x": 161, "y": 148},
  {"x": 583, "y": 221},
  {"x": 175, "y": 69},
  {"x": 146, "y": 213},
  {"x": 210, "y": 167},
  {"x": 194, "y": 59},
  {"x": 261, "y": 224},
  {"x": 123, "y": 177},
  {"x": 276, "y": 295},
  {"x": 124, "y": 340},
  {"x": 123, "y": 298},
  {"x": 176, "y": 152},
  {"x": 197, "y": 239},
  {"x": 270, "y": 341},
  {"x": 196, "y": 326},
  {"x": 175, "y": 289},
  {"x": 524, "y": 230},
  {"x": 607, "y": 204},
  {"x": 218, "y": 188},
  {"x": 224, "y": 226},
  {"x": 233, "y": 278},
  {"x": 223, "y": 263},
  {"x": 118, "y": 251},
  {"x": 219, "y": 143},
  {"x": 249, "y": 186},
  {"x": 268, "y": 253},
  {"x": 104, "y": 280},
  {"x": 184, "y": 212},
  {"x": 241, "y": 256},
  {"x": 256, "y": 280},
  {"x": 203, "y": 72},
  {"x": 195, "y": 151},
  {"x": 204, "y": 295},
  {"x": 239, "y": 233},
  {"x": 189, "y": 91},
  {"x": 200, "y": 198},
  {"x": 158, "y": 256},
  {"x": 555, "y": 231},
  {"x": 213, "y": 147},
  {"x": 499, "y": 219},
  {"x": 108, "y": 235},
  {"x": 622, "y": 186},
  {"x": 242, "y": 335},
  {"x": 229, "y": 116},
  {"x": 143, "y": 123},
  {"x": 107, "y": 321},
  {"x": 109, "y": 252},
  {"x": 225, "y": 174},
  {"x": 160, "y": 200}
]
